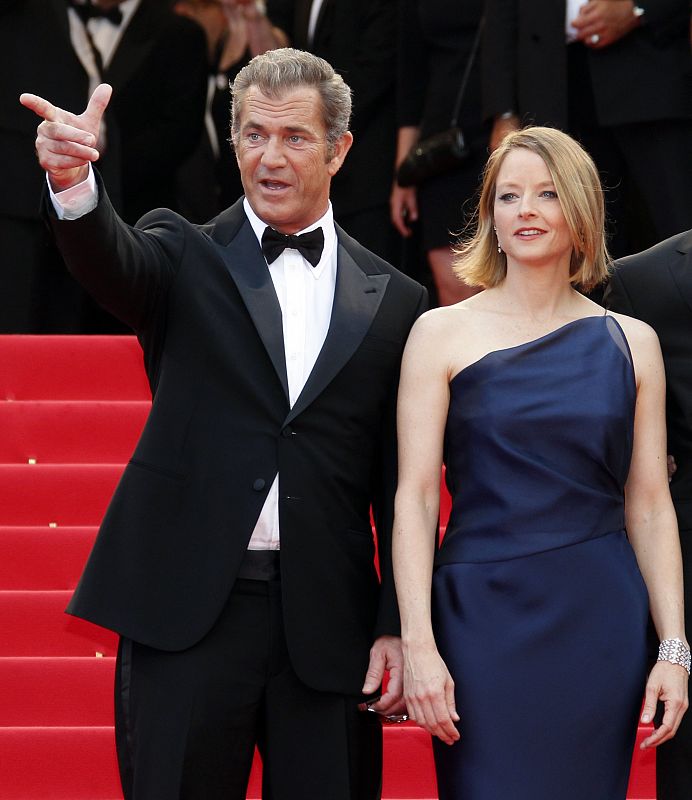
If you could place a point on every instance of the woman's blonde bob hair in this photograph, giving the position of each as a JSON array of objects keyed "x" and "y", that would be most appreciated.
[{"x": 579, "y": 191}]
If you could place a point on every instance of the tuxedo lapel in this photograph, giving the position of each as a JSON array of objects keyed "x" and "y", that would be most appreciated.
[
  {"x": 680, "y": 266},
  {"x": 357, "y": 298},
  {"x": 301, "y": 21},
  {"x": 250, "y": 273}
]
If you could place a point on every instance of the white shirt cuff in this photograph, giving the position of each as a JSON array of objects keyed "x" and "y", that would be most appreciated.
[{"x": 76, "y": 201}]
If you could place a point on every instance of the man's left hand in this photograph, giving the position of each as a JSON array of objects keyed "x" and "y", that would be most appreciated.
[
  {"x": 386, "y": 654},
  {"x": 599, "y": 23}
]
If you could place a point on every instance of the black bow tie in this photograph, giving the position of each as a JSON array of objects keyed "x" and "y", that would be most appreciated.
[
  {"x": 309, "y": 245},
  {"x": 87, "y": 11}
]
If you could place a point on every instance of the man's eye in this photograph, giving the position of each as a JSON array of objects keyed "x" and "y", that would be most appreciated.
[
  {"x": 295, "y": 139},
  {"x": 253, "y": 137}
]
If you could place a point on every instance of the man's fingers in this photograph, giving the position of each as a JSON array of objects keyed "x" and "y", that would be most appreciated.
[
  {"x": 98, "y": 102},
  {"x": 63, "y": 132},
  {"x": 40, "y": 106}
]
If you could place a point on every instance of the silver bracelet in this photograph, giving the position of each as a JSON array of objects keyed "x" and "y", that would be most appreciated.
[{"x": 676, "y": 652}]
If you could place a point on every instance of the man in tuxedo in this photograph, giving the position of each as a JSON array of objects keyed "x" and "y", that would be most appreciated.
[
  {"x": 656, "y": 286},
  {"x": 236, "y": 557},
  {"x": 62, "y": 49},
  {"x": 358, "y": 37},
  {"x": 615, "y": 75}
]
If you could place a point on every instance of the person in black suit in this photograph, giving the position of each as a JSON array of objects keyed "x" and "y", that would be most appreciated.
[
  {"x": 359, "y": 38},
  {"x": 272, "y": 431},
  {"x": 158, "y": 70},
  {"x": 615, "y": 75},
  {"x": 656, "y": 286},
  {"x": 33, "y": 34}
]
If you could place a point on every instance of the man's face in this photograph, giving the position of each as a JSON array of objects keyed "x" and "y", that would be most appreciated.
[{"x": 282, "y": 155}]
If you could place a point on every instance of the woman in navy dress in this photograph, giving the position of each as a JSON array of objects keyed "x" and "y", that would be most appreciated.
[{"x": 525, "y": 633}]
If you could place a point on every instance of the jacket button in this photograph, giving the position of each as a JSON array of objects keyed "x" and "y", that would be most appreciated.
[
  {"x": 287, "y": 431},
  {"x": 259, "y": 484}
]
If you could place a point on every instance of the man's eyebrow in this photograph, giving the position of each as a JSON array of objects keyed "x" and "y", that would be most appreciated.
[{"x": 250, "y": 123}]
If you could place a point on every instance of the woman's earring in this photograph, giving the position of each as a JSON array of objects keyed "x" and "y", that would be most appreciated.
[{"x": 499, "y": 248}]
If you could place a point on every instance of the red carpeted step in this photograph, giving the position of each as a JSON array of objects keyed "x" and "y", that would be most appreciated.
[
  {"x": 80, "y": 763},
  {"x": 34, "y": 624},
  {"x": 642, "y": 784},
  {"x": 56, "y": 691},
  {"x": 58, "y": 764},
  {"x": 42, "y": 557},
  {"x": 72, "y": 368},
  {"x": 408, "y": 763},
  {"x": 64, "y": 432},
  {"x": 55, "y": 493}
]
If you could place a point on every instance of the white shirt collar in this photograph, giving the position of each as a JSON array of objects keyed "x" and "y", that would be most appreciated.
[{"x": 326, "y": 222}]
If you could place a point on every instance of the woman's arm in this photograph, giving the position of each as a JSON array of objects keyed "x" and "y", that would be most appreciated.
[
  {"x": 403, "y": 203},
  {"x": 422, "y": 411},
  {"x": 652, "y": 528}
]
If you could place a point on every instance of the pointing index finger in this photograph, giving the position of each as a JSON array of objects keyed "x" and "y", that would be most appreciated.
[{"x": 39, "y": 106}]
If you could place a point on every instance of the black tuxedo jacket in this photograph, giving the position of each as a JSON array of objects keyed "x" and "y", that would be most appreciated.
[
  {"x": 203, "y": 304},
  {"x": 642, "y": 77},
  {"x": 656, "y": 286},
  {"x": 358, "y": 38},
  {"x": 159, "y": 78}
]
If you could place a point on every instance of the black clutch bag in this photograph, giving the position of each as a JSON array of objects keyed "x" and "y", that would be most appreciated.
[
  {"x": 436, "y": 155},
  {"x": 445, "y": 151}
]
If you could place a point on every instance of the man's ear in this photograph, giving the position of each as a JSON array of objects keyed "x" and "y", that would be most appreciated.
[{"x": 341, "y": 148}]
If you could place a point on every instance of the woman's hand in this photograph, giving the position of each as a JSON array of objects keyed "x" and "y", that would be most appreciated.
[
  {"x": 403, "y": 206},
  {"x": 668, "y": 684},
  {"x": 429, "y": 693}
]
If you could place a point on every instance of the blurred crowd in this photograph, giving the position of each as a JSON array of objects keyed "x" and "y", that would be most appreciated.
[{"x": 613, "y": 74}]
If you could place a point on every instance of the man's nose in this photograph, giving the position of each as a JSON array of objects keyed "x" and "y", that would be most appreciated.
[{"x": 273, "y": 154}]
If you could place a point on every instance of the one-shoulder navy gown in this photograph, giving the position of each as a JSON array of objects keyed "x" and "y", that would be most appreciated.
[{"x": 539, "y": 608}]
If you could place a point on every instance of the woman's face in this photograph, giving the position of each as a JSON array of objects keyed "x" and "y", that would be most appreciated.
[{"x": 530, "y": 225}]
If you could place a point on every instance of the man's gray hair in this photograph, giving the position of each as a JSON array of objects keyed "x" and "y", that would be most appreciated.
[{"x": 278, "y": 71}]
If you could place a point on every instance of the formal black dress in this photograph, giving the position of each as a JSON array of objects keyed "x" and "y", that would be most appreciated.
[
  {"x": 436, "y": 38},
  {"x": 540, "y": 610}
]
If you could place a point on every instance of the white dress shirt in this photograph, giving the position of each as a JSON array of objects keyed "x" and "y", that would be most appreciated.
[
  {"x": 104, "y": 35},
  {"x": 306, "y": 297},
  {"x": 571, "y": 12}
]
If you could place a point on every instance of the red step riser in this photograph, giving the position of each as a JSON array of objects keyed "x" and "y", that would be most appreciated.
[
  {"x": 34, "y": 624},
  {"x": 50, "y": 493},
  {"x": 72, "y": 368},
  {"x": 80, "y": 764},
  {"x": 54, "y": 692},
  {"x": 58, "y": 763},
  {"x": 43, "y": 558},
  {"x": 77, "y": 432}
]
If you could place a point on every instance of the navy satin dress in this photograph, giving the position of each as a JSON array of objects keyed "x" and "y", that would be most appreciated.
[{"x": 539, "y": 608}]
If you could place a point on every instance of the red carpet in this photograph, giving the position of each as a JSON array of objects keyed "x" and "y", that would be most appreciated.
[{"x": 71, "y": 409}]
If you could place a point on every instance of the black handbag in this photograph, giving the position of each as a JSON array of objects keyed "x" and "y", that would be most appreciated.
[{"x": 445, "y": 151}]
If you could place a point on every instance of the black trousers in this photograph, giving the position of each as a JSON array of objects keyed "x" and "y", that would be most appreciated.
[
  {"x": 674, "y": 758},
  {"x": 187, "y": 722}
]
